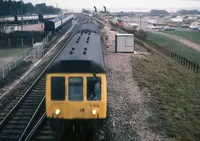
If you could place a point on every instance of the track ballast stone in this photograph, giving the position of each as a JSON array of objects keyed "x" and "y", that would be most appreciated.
[{"x": 128, "y": 111}]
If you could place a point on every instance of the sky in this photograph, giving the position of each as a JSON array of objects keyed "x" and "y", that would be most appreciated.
[{"x": 122, "y": 5}]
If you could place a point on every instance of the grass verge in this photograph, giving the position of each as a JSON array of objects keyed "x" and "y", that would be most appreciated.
[
  {"x": 193, "y": 36},
  {"x": 11, "y": 52},
  {"x": 175, "y": 92},
  {"x": 174, "y": 46}
]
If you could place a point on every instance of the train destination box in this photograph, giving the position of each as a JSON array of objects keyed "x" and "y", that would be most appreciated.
[{"x": 124, "y": 43}]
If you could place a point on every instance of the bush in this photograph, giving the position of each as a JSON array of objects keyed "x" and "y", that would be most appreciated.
[{"x": 142, "y": 34}]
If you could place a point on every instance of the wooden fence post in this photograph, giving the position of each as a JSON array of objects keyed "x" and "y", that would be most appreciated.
[
  {"x": 3, "y": 73},
  {"x": 186, "y": 62},
  {"x": 189, "y": 64},
  {"x": 194, "y": 66},
  {"x": 33, "y": 41},
  {"x": 9, "y": 42},
  {"x": 22, "y": 42}
]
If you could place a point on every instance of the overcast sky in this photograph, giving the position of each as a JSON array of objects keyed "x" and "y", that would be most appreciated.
[{"x": 125, "y": 5}]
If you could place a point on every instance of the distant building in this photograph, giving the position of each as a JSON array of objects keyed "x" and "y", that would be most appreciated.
[
  {"x": 195, "y": 25},
  {"x": 178, "y": 19},
  {"x": 64, "y": 12}
]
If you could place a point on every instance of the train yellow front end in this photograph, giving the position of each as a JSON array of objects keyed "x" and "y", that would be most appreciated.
[{"x": 61, "y": 105}]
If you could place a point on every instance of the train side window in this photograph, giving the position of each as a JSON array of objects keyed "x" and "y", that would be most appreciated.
[
  {"x": 75, "y": 88},
  {"x": 57, "y": 88},
  {"x": 93, "y": 88}
]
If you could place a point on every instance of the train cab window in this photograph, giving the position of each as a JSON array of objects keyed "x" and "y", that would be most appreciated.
[
  {"x": 76, "y": 88},
  {"x": 93, "y": 88},
  {"x": 57, "y": 88}
]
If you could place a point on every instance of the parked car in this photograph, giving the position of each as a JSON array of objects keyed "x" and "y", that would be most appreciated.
[
  {"x": 185, "y": 26},
  {"x": 194, "y": 27},
  {"x": 168, "y": 28},
  {"x": 153, "y": 27}
]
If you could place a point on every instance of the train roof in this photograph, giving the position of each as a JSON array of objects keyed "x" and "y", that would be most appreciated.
[
  {"x": 89, "y": 27},
  {"x": 8, "y": 16},
  {"x": 54, "y": 20},
  {"x": 83, "y": 54},
  {"x": 26, "y": 15},
  {"x": 63, "y": 16}
]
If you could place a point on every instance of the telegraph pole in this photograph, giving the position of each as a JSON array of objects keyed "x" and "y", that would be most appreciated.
[
  {"x": 22, "y": 13},
  {"x": 57, "y": 8},
  {"x": 140, "y": 21}
]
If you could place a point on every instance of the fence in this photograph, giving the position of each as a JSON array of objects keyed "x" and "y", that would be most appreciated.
[
  {"x": 192, "y": 65},
  {"x": 19, "y": 60},
  {"x": 21, "y": 39}
]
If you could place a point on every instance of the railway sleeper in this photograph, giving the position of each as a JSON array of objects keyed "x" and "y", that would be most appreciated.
[
  {"x": 3, "y": 114},
  {"x": 11, "y": 137},
  {"x": 23, "y": 118},
  {"x": 30, "y": 104},
  {"x": 18, "y": 121},
  {"x": 28, "y": 107},
  {"x": 13, "y": 131},
  {"x": 40, "y": 91},
  {"x": 23, "y": 114},
  {"x": 28, "y": 110},
  {"x": 34, "y": 98},
  {"x": 32, "y": 101},
  {"x": 45, "y": 138},
  {"x": 14, "y": 126}
]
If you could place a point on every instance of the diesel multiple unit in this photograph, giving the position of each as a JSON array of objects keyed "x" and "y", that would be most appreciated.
[
  {"x": 26, "y": 18},
  {"x": 76, "y": 86}
]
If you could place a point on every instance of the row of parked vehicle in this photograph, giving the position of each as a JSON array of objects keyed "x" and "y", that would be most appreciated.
[
  {"x": 166, "y": 28},
  {"x": 169, "y": 28}
]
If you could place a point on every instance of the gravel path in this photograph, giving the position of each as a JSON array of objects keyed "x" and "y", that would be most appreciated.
[
  {"x": 127, "y": 106},
  {"x": 184, "y": 41}
]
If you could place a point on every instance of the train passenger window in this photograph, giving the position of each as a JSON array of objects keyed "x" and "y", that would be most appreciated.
[
  {"x": 75, "y": 88},
  {"x": 57, "y": 88},
  {"x": 93, "y": 88}
]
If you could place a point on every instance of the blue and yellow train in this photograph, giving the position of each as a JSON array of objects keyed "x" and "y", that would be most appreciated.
[{"x": 76, "y": 86}]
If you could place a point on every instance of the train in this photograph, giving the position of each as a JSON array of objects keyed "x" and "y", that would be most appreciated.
[
  {"x": 117, "y": 21},
  {"x": 76, "y": 85},
  {"x": 11, "y": 19},
  {"x": 57, "y": 23}
]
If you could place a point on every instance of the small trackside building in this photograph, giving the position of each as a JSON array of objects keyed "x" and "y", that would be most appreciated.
[{"x": 124, "y": 43}]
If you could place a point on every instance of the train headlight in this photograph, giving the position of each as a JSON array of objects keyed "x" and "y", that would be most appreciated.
[
  {"x": 57, "y": 111},
  {"x": 94, "y": 112}
]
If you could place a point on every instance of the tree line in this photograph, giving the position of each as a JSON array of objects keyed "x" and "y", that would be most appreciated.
[{"x": 9, "y": 7}]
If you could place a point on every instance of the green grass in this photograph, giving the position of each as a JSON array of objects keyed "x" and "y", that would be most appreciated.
[
  {"x": 11, "y": 52},
  {"x": 175, "y": 94},
  {"x": 193, "y": 36},
  {"x": 175, "y": 46}
]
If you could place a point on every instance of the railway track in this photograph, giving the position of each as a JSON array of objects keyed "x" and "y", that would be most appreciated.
[
  {"x": 29, "y": 109},
  {"x": 8, "y": 101},
  {"x": 43, "y": 131}
]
